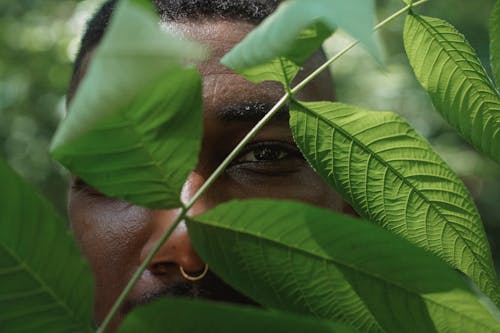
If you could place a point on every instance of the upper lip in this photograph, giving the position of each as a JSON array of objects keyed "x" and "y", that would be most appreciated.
[{"x": 210, "y": 287}]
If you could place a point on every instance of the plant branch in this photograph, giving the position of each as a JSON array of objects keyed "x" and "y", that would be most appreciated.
[
  {"x": 138, "y": 272},
  {"x": 220, "y": 169}
]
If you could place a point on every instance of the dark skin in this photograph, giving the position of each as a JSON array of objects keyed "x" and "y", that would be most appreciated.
[{"x": 116, "y": 236}]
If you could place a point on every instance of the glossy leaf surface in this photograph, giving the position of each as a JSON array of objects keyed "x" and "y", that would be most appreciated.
[
  {"x": 392, "y": 177},
  {"x": 134, "y": 127},
  {"x": 45, "y": 286},
  {"x": 495, "y": 42},
  {"x": 297, "y": 29},
  {"x": 288, "y": 255},
  {"x": 449, "y": 69},
  {"x": 182, "y": 315}
]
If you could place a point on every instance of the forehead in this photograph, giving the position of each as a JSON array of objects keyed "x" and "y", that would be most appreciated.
[{"x": 220, "y": 82}]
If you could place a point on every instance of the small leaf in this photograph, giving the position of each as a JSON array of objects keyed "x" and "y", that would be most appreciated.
[
  {"x": 45, "y": 286},
  {"x": 280, "y": 69},
  {"x": 448, "y": 68},
  {"x": 297, "y": 29},
  {"x": 134, "y": 127},
  {"x": 392, "y": 177},
  {"x": 288, "y": 255},
  {"x": 182, "y": 315},
  {"x": 495, "y": 42}
]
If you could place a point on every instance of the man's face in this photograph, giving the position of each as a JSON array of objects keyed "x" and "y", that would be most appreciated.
[{"x": 116, "y": 236}]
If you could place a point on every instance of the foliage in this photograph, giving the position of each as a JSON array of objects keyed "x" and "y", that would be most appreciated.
[
  {"x": 449, "y": 70},
  {"x": 495, "y": 42},
  {"x": 303, "y": 266},
  {"x": 359, "y": 274},
  {"x": 392, "y": 177},
  {"x": 275, "y": 42},
  {"x": 177, "y": 316},
  {"x": 135, "y": 132},
  {"x": 42, "y": 275}
]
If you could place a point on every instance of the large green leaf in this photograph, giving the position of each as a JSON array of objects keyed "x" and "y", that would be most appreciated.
[
  {"x": 495, "y": 42},
  {"x": 392, "y": 176},
  {"x": 305, "y": 259},
  {"x": 294, "y": 31},
  {"x": 45, "y": 286},
  {"x": 181, "y": 315},
  {"x": 134, "y": 128},
  {"x": 448, "y": 68}
]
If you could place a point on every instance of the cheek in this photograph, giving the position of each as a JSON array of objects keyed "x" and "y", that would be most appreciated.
[
  {"x": 108, "y": 232},
  {"x": 304, "y": 185},
  {"x": 111, "y": 235}
]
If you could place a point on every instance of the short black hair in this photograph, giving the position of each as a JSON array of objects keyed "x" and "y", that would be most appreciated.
[{"x": 252, "y": 11}]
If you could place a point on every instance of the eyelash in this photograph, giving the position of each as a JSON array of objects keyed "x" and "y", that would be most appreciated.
[
  {"x": 272, "y": 147},
  {"x": 287, "y": 152}
]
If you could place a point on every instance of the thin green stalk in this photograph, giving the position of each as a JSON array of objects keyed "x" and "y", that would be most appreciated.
[
  {"x": 320, "y": 69},
  {"x": 398, "y": 13},
  {"x": 237, "y": 150},
  {"x": 137, "y": 274},
  {"x": 220, "y": 169}
]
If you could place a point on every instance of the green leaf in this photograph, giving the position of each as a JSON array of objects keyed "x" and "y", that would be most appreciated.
[
  {"x": 448, "y": 68},
  {"x": 392, "y": 177},
  {"x": 280, "y": 69},
  {"x": 134, "y": 128},
  {"x": 45, "y": 286},
  {"x": 182, "y": 315},
  {"x": 495, "y": 42},
  {"x": 305, "y": 259},
  {"x": 297, "y": 29}
]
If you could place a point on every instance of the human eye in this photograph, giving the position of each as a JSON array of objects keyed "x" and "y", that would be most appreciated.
[
  {"x": 269, "y": 156},
  {"x": 266, "y": 152}
]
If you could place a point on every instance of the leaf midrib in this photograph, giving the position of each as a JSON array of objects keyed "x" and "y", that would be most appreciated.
[
  {"x": 403, "y": 179},
  {"x": 144, "y": 146},
  {"x": 48, "y": 289},
  {"x": 338, "y": 262},
  {"x": 472, "y": 81}
]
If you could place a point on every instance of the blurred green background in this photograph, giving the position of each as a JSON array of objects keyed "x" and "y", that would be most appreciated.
[{"x": 39, "y": 39}]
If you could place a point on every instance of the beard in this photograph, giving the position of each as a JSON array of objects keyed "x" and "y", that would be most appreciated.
[{"x": 209, "y": 288}]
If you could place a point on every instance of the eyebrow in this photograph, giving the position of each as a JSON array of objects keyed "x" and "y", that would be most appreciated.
[{"x": 250, "y": 112}]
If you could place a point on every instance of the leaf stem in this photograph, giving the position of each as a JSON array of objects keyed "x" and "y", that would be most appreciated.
[
  {"x": 237, "y": 150},
  {"x": 137, "y": 274},
  {"x": 220, "y": 169},
  {"x": 398, "y": 13}
]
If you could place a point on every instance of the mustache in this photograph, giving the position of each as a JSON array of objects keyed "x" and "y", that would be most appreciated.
[{"x": 210, "y": 287}]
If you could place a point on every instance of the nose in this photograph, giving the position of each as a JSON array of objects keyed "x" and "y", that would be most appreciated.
[{"x": 178, "y": 250}]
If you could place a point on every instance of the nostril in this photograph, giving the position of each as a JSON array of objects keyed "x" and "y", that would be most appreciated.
[
  {"x": 162, "y": 268},
  {"x": 176, "y": 251}
]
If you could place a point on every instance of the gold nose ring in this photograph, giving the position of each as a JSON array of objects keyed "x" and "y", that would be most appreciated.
[{"x": 196, "y": 277}]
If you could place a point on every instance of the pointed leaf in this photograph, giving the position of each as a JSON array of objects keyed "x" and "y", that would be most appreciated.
[
  {"x": 280, "y": 69},
  {"x": 301, "y": 258},
  {"x": 392, "y": 177},
  {"x": 177, "y": 316},
  {"x": 45, "y": 286},
  {"x": 448, "y": 68},
  {"x": 495, "y": 42},
  {"x": 134, "y": 127},
  {"x": 297, "y": 29}
]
